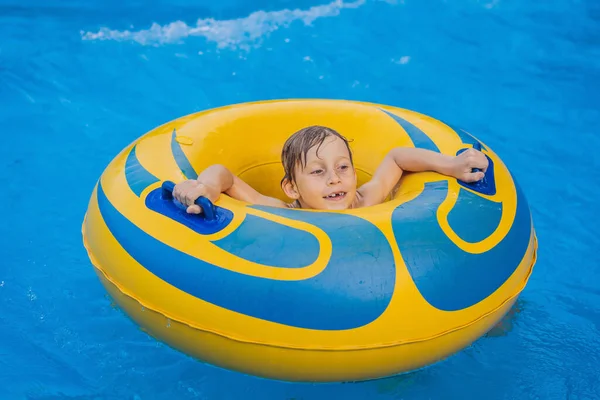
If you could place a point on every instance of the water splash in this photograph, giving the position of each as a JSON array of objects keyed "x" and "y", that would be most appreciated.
[{"x": 226, "y": 33}]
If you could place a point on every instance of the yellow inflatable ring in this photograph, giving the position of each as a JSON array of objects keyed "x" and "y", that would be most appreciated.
[{"x": 304, "y": 295}]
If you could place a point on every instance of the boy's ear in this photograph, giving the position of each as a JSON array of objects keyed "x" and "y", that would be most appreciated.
[{"x": 290, "y": 189}]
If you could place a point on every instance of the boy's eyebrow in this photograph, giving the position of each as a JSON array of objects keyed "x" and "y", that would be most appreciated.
[
  {"x": 320, "y": 161},
  {"x": 342, "y": 158}
]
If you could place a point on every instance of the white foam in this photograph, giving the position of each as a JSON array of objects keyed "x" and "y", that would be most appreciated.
[
  {"x": 402, "y": 60},
  {"x": 226, "y": 33},
  {"x": 491, "y": 4}
]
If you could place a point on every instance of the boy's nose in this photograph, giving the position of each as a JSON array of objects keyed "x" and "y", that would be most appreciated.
[{"x": 333, "y": 178}]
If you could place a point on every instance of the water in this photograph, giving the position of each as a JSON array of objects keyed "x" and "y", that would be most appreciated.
[{"x": 81, "y": 80}]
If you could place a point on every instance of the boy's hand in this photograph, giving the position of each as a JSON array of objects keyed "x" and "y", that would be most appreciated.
[
  {"x": 188, "y": 191},
  {"x": 463, "y": 164}
]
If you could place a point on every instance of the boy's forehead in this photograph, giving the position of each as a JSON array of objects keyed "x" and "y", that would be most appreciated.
[{"x": 330, "y": 149}]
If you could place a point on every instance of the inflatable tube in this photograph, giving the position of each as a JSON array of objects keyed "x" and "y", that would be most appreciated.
[{"x": 304, "y": 295}]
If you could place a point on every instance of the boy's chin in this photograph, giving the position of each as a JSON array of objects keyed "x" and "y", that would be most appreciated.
[
  {"x": 333, "y": 205},
  {"x": 337, "y": 205}
]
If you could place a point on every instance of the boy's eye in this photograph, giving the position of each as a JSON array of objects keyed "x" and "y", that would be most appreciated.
[
  {"x": 343, "y": 167},
  {"x": 317, "y": 171}
]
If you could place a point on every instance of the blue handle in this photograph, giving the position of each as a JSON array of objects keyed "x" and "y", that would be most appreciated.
[
  {"x": 208, "y": 208},
  {"x": 476, "y": 146}
]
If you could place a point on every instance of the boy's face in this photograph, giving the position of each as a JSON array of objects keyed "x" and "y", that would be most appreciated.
[{"x": 327, "y": 181}]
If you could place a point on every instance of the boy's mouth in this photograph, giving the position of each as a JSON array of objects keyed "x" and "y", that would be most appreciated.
[{"x": 335, "y": 196}]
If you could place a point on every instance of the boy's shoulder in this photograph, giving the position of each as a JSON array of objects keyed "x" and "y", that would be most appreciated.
[
  {"x": 373, "y": 193},
  {"x": 294, "y": 205}
]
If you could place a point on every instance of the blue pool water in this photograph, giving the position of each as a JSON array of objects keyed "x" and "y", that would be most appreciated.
[{"x": 80, "y": 80}]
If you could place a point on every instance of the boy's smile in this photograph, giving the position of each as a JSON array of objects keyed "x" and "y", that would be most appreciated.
[{"x": 336, "y": 196}]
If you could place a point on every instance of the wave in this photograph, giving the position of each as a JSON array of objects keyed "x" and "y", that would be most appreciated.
[{"x": 225, "y": 33}]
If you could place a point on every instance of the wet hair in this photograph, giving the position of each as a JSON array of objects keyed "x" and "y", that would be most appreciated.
[{"x": 297, "y": 146}]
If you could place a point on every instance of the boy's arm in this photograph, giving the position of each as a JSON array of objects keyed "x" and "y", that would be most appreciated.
[
  {"x": 215, "y": 180},
  {"x": 240, "y": 190},
  {"x": 402, "y": 159}
]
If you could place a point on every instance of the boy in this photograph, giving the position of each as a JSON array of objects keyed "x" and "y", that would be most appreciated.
[{"x": 320, "y": 174}]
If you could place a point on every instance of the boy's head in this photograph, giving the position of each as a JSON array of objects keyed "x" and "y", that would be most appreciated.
[{"x": 319, "y": 171}]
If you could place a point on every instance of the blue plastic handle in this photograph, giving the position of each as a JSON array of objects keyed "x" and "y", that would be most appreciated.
[
  {"x": 476, "y": 146},
  {"x": 486, "y": 185},
  {"x": 208, "y": 208}
]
